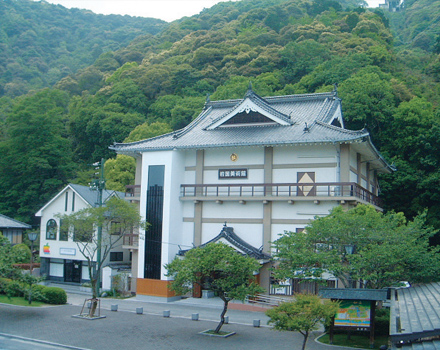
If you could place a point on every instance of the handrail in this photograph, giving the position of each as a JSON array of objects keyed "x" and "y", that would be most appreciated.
[
  {"x": 267, "y": 300},
  {"x": 317, "y": 189},
  {"x": 131, "y": 240},
  {"x": 132, "y": 191}
]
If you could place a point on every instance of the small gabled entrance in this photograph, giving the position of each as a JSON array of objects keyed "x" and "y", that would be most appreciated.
[{"x": 72, "y": 271}]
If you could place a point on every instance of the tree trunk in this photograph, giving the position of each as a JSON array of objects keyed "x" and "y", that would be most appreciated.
[
  {"x": 222, "y": 316},
  {"x": 93, "y": 307},
  {"x": 306, "y": 336},
  {"x": 94, "y": 302}
]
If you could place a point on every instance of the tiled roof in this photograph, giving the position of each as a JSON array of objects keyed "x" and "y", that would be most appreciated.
[
  {"x": 309, "y": 109},
  {"x": 420, "y": 345},
  {"x": 91, "y": 196},
  {"x": 304, "y": 119},
  {"x": 230, "y": 236},
  {"x": 353, "y": 294},
  {"x": 86, "y": 193},
  {"x": 415, "y": 313},
  {"x": 7, "y": 222}
]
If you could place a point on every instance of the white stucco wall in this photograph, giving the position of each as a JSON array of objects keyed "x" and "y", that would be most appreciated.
[{"x": 60, "y": 249}]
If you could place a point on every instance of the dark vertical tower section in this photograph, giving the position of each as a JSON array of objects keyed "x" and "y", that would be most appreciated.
[{"x": 154, "y": 215}]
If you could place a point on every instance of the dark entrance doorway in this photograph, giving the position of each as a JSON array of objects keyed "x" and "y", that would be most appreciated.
[{"x": 72, "y": 271}]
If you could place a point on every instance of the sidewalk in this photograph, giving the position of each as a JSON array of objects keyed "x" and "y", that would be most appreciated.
[{"x": 208, "y": 309}]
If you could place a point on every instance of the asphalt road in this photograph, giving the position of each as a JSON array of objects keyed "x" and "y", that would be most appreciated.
[{"x": 23, "y": 328}]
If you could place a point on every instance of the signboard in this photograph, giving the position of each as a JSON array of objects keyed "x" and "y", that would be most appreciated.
[
  {"x": 353, "y": 313},
  {"x": 67, "y": 251},
  {"x": 233, "y": 174}
]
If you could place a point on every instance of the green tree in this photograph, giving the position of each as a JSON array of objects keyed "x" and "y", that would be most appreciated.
[
  {"x": 116, "y": 218},
  {"x": 36, "y": 157},
  {"x": 388, "y": 249},
  {"x": 7, "y": 259},
  {"x": 119, "y": 172},
  {"x": 303, "y": 315},
  {"x": 368, "y": 100},
  {"x": 217, "y": 267},
  {"x": 146, "y": 131}
]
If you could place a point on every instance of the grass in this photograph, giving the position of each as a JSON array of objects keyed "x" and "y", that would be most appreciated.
[
  {"x": 355, "y": 341},
  {"x": 20, "y": 301}
]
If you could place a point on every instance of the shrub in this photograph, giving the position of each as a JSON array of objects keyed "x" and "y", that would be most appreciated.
[
  {"x": 55, "y": 295},
  {"x": 14, "y": 289},
  {"x": 382, "y": 322},
  {"x": 3, "y": 284},
  {"x": 22, "y": 253},
  {"x": 37, "y": 293}
]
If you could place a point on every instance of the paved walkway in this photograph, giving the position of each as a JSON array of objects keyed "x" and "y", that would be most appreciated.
[{"x": 54, "y": 326}]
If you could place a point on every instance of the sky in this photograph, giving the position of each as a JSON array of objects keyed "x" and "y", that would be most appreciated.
[{"x": 167, "y": 10}]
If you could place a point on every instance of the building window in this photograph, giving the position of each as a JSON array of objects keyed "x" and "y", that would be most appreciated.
[
  {"x": 64, "y": 231},
  {"x": 66, "y": 202},
  {"x": 115, "y": 228},
  {"x": 73, "y": 201},
  {"x": 116, "y": 256},
  {"x": 51, "y": 229}
]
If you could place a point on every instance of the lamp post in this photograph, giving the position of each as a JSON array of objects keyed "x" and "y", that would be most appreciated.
[
  {"x": 32, "y": 237},
  {"x": 349, "y": 250},
  {"x": 99, "y": 185}
]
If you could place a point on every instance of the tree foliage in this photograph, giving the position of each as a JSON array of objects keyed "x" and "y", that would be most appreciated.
[
  {"x": 116, "y": 218},
  {"x": 124, "y": 74},
  {"x": 36, "y": 158},
  {"x": 303, "y": 315},
  {"x": 217, "y": 267},
  {"x": 42, "y": 43},
  {"x": 388, "y": 249}
]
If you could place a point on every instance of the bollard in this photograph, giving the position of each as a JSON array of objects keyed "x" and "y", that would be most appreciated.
[
  {"x": 114, "y": 307},
  {"x": 256, "y": 323},
  {"x": 226, "y": 319},
  {"x": 139, "y": 310},
  {"x": 166, "y": 313},
  {"x": 195, "y": 317}
]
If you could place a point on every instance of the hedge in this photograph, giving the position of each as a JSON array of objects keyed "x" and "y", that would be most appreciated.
[{"x": 54, "y": 295}]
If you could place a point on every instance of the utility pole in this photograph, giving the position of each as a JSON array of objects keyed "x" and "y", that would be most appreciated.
[{"x": 99, "y": 186}]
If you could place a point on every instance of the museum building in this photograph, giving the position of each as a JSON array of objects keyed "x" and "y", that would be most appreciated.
[{"x": 244, "y": 172}]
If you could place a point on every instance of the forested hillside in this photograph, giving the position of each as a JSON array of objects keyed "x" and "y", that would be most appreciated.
[
  {"x": 158, "y": 83},
  {"x": 41, "y": 43}
]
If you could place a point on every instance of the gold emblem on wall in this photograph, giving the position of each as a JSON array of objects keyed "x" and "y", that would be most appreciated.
[{"x": 234, "y": 157}]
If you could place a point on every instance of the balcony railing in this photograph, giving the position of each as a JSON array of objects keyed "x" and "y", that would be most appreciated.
[
  {"x": 341, "y": 190},
  {"x": 132, "y": 191},
  {"x": 130, "y": 240}
]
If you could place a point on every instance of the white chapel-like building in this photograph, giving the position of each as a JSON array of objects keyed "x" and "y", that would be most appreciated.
[{"x": 243, "y": 172}]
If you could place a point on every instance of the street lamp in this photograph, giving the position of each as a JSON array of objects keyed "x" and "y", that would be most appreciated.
[
  {"x": 349, "y": 249},
  {"x": 32, "y": 237}
]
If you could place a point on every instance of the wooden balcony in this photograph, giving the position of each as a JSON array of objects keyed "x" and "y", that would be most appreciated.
[
  {"x": 130, "y": 241},
  {"x": 338, "y": 191}
]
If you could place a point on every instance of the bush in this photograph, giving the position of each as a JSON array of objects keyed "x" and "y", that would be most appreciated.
[
  {"x": 14, "y": 289},
  {"x": 37, "y": 293},
  {"x": 382, "y": 322},
  {"x": 22, "y": 253},
  {"x": 3, "y": 284},
  {"x": 54, "y": 295}
]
